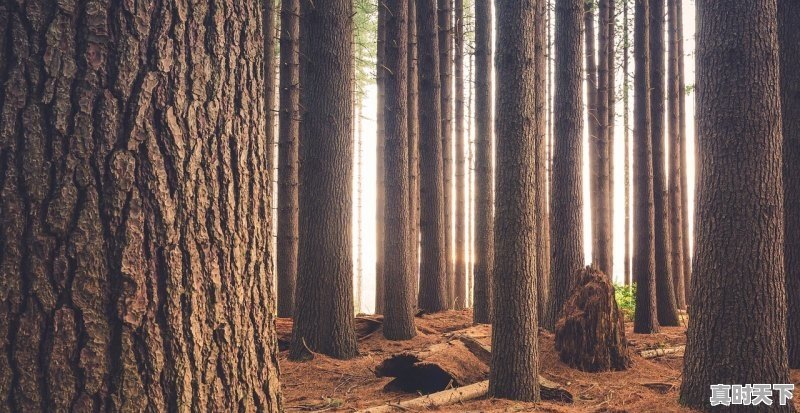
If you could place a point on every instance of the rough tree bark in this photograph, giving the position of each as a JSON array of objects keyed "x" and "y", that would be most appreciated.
[
  {"x": 445, "y": 38},
  {"x": 413, "y": 143},
  {"x": 515, "y": 361},
  {"x": 567, "y": 201},
  {"x": 288, "y": 129},
  {"x": 788, "y": 21},
  {"x": 599, "y": 150},
  {"x": 643, "y": 264},
  {"x": 461, "y": 144},
  {"x": 323, "y": 319},
  {"x": 687, "y": 251},
  {"x": 665, "y": 292},
  {"x": 740, "y": 283},
  {"x": 134, "y": 264},
  {"x": 433, "y": 272},
  {"x": 542, "y": 226},
  {"x": 398, "y": 322},
  {"x": 484, "y": 169},
  {"x": 380, "y": 170},
  {"x": 675, "y": 171}
]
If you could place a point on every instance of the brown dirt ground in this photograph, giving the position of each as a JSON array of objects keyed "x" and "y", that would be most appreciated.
[{"x": 651, "y": 385}]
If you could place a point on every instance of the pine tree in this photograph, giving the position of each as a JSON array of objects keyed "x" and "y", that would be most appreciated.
[
  {"x": 675, "y": 171},
  {"x": 460, "y": 152}
]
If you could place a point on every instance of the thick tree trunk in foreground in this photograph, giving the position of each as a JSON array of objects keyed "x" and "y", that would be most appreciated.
[
  {"x": 599, "y": 151},
  {"x": 445, "y": 37},
  {"x": 788, "y": 21},
  {"x": 484, "y": 170},
  {"x": 542, "y": 226},
  {"x": 515, "y": 359},
  {"x": 643, "y": 265},
  {"x": 665, "y": 292},
  {"x": 739, "y": 206},
  {"x": 134, "y": 264},
  {"x": 461, "y": 144},
  {"x": 398, "y": 322},
  {"x": 288, "y": 129},
  {"x": 380, "y": 169},
  {"x": 675, "y": 171},
  {"x": 567, "y": 200},
  {"x": 323, "y": 319},
  {"x": 413, "y": 145},
  {"x": 433, "y": 272}
]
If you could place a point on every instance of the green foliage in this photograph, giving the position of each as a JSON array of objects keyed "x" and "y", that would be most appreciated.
[{"x": 626, "y": 299}]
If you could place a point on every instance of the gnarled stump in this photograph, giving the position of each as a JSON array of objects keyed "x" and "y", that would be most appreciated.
[{"x": 590, "y": 335}]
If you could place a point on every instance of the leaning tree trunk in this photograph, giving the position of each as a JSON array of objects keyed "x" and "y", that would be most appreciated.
[
  {"x": 667, "y": 309},
  {"x": 788, "y": 21},
  {"x": 433, "y": 271},
  {"x": 643, "y": 265},
  {"x": 380, "y": 170},
  {"x": 445, "y": 38},
  {"x": 542, "y": 225},
  {"x": 323, "y": 319},
  {"x": 675, "y": 171},
  {"x": 515, "y": 359},
  {"x": 739, "y": 206},
  {"x": 484, "y": 169},
  {"x": 461, "y": 144},
  {"x": 287, "y": 156},
  {"x": 398, "y": 321},
  {"x": 566, "y": 201},
  {"x": 134, "y": 264}
]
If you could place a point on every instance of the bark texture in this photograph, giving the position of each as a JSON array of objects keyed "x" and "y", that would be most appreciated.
[
  {"x": 323, "y": 317},
  {"x": 461, "y": 144},
  {"x": 288, "y": 132},
  {"x": 483, "y": 255},
  {"x": 433, "y": 272},
  {"x": 134, "y": 265},
  {"x": 413, "y": 144},
  {"x": 687, "y": 235},
  {"x": 380, "y": 184},
  {"x": 543, "y": 218},
  {"x": 788, "y": 22},
  {"x": 398, "y": 322},
  {"x": 590, "y": 67},
  {"x": 567, "y": 201},
  {"x": 740, "y": 284},
  {"x": 599, "y": 151},
  {"x": 643, "y": 264},
  {"x": 445, "y": 38},
  {"x": 515, "y": 361},
  {"x": 675, "y": 171}
]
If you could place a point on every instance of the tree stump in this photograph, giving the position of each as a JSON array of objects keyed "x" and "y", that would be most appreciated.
[{"x": 590, "y": 336}]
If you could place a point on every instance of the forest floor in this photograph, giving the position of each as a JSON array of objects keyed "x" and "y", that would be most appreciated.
[{"x": 650, "y": 385}]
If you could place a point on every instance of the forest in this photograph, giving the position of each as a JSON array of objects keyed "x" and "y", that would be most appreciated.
[{"x": 399, "y": 205}]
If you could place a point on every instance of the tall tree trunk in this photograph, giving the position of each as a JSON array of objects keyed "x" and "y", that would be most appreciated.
[
  {"x": 380, "y": 184},
  {"x": 788, "y": 21},
  {"x": 626, "y": 86},
  {"x": 413, "y": 144},
  {"x": 590, "y": 66},
  {"x": 287, "y": 156},
  {"x": 433, "y": 272},
  {"x": 643, "y": 264},
  {"x": 567, "y": 200},
  {"x": 612, "y": 102},
  {"x": 515, "y": 349},
  {"x": 461, "y": 241},
  {"x": 359, "y": 140},
  {"x": 667, "y": 309},
  {"x": 484, "y": 168},
  {"x": 323, "y": 319},
  {"x": 675, "y": 171},
  {"x": 687, "y": 251},
  {"x": 470, "y": 167},
  {"x": 599, "y": 154},
  {"x": 740, "y": 282},
  {"x": 398, "y": 322},
  {"x": 121, "y": 247},
  {"x": 445, "y": 25},
  {"x": 542, "y": 227}
]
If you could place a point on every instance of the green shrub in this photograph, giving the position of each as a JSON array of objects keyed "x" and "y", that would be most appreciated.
[{"x": 626, "y": 299}]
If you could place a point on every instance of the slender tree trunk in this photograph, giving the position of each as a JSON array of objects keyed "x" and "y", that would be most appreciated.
[
  {"x": 675, "y": 171},
  {"x": 740, "y": 283},
  {"x": 120, "y": 249},
  {"x": 542, "y": 227},
  {"x": 413, "y": 144},
  {"x": 643, "y": 264},
  {"x": 461, "y": 241},
  {"x": 359, "y": 276},
  {"x": 515, "y": 349},
  {"x": 667, "y": 309},
  {"x": 612, "y": 101},
  {"x": 566, "y": 201},
  {"x": 445, "y": 26},
  {"x": 484, "y": 169},
  {"x": 398, "y": 322},
  {"x": 626, "y": 86},
  {"x": 687, "y": 251},
  {"x": 599, "y": 155},
  {"x": 323, "y": 319},
  {"x": 788, "y": 21},
  {"x": 380, "y": 184},
  {"x": 433, "y": 271},
  {"x": 590, "y": 66},
  {"x": 470, "y": 241},
  {"x": 287, "y": 156}
]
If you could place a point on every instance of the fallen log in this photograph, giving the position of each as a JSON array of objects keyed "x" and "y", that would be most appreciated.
[
  {"x": 439, "y": 399},
  {"x": 660, "y": 352}
]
